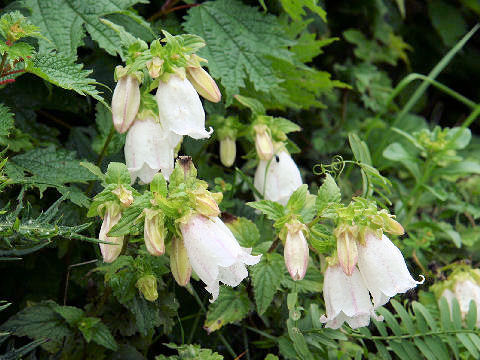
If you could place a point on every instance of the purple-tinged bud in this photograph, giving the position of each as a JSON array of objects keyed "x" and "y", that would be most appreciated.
[
  {"x": 228, "y": 151},
  {"x": 125, "y": 102},
  {"x": 347, "y": 250},
  {"x": 154, "y": 232},
  {"x": 110, "y": 252},
  {"x": 204, "y": 84},
  {"x": 179, "y": 263},
  {"x": 296, "y": 251},
  {"x": 147, "y": 285}
]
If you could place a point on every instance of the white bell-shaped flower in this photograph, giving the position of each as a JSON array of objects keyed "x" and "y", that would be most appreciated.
[
  {"x": 464, "y": 291},
  {"x": 278, "y": 178},
  {"x": 149, "y": 149},
  {"x": 384, "y": 269},
  {"x": 110, "y": 252},
  {"x": 180, "y": 108},
  {"x": 346, "y": 299},
  {"x": 125, "y": 102},
  {"x": 214, "y": 253}
]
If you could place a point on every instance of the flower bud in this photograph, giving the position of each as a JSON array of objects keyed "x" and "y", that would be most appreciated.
[
  {"x": 154, "y": 232},
  {"x": 296, "y": 251},
  {"x": 125, "y": 102},
  {"x": 154, "y": 67},
  {"x": 147, "y": 285},
  {"x": 124, "y": 195},
  {"x": 206, "y": 205},
  {"x": 179, "y": 263},
  {"x": 110, "y": 252},
  {"x": 347, "y": 250},
  {"x": 263, "y": 142},
  {"x": 228, "y": 151},
  {"x": 394, "y": 227},
  {"x": 204, "y": 84}
]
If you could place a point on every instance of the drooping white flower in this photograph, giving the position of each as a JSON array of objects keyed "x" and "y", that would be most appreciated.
[
  {"x": 346, "y": 299},
  {"x": 109, "y": 251},
  {"x": 125, "y": 102},
  {"x": 464, "y": 291},
  {"x": 149, "y": 149},
  {"x": 154, "y": 232},
  {"x": 278, "y": 178},
  {"x": 180, "y": 108},
  {"x": 296, "y": 251},
  {"x": 384, "y": 269},
  {"x": 263, "y": 142},
  {"x": 214, "y": 253}
]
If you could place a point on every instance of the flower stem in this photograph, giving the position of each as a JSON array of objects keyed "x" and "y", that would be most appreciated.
[{"x": 105, "y": 146}]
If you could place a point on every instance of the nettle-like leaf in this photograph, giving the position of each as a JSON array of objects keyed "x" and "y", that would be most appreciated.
[
  {"x": 190, "y": 352},
  {"x": 6, "y": 122},
  {"x": 40, "y": 322},
  {"x": 63, "y": 23},
  {"x": 267, "y": 276},
  {"x": 62, "y": 71},
  {"x": 22, "y": 233},
  {"x": 240, "y": 44},
  {"x": 231, "y": 306},
  {"x": 49, "y": 167}
]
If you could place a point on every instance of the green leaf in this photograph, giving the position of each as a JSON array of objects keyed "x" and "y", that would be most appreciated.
[
  {"x": 94, "y": 169},
  {"x": 329, "y": 192},
  {"x": 266, "y": 277},
  {"x": 63, "y": 22},
  {"x": 240, "y": 44},
  {"x": 70, "y": 313},
  {"x": 254, "y": 105},
  {"x": 40, "y": 321},
  {"x": 297, "y": 199},
  {"x": 294, "y": 8},
  {"x": 117, "y": 174},
  {"x": 93, "y": 329},
  {"x": 245, "y": 231},
  {"x": 447, "y": 20},
  {"x": 49, "y": 167},
  {"x": 6, "y": 121},
  {"x": 271, "y": 209},
  {"x": 63, "y": 72},
  {"x": 231, "y": 306},
  {"x": 159, "y": 185},
  {"x": 191, "y": 352}
]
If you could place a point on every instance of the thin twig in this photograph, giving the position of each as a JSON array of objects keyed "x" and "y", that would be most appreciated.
[
  {"x": 68, "y": 277},
  {"x": 274, "y": 245},
  {"x": 54, "y": 119}
]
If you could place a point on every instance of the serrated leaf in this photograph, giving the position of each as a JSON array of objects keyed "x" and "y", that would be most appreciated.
[
  {"x": 62, "y": 22},
  {"x": 191, "y": 352},
  {"x": 297, "y": 199},
  {"x": 62, "y": 71},
  {"x": 117, "y": 174},
  {"x": 231, "y": 306},
  {"x": 294, "y": 8},
  {"x": 245, "y": 231},
  {"x": 6, "y": 121},
  {"x": 329, "y": 192},
  {"x": 94, "y": 330},
  {"x": 266, "y": 277},
  {"x": 271, "y": 209},
  {"x": 240, "y": 43},
  {"x": 40, "y": 321},
  {"x": 70, "y": 313}
]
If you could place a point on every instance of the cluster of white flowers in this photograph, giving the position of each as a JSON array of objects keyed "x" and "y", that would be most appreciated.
[
  {"x": 151, "y": 141},
  {"x": 376, "y": 266}
]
